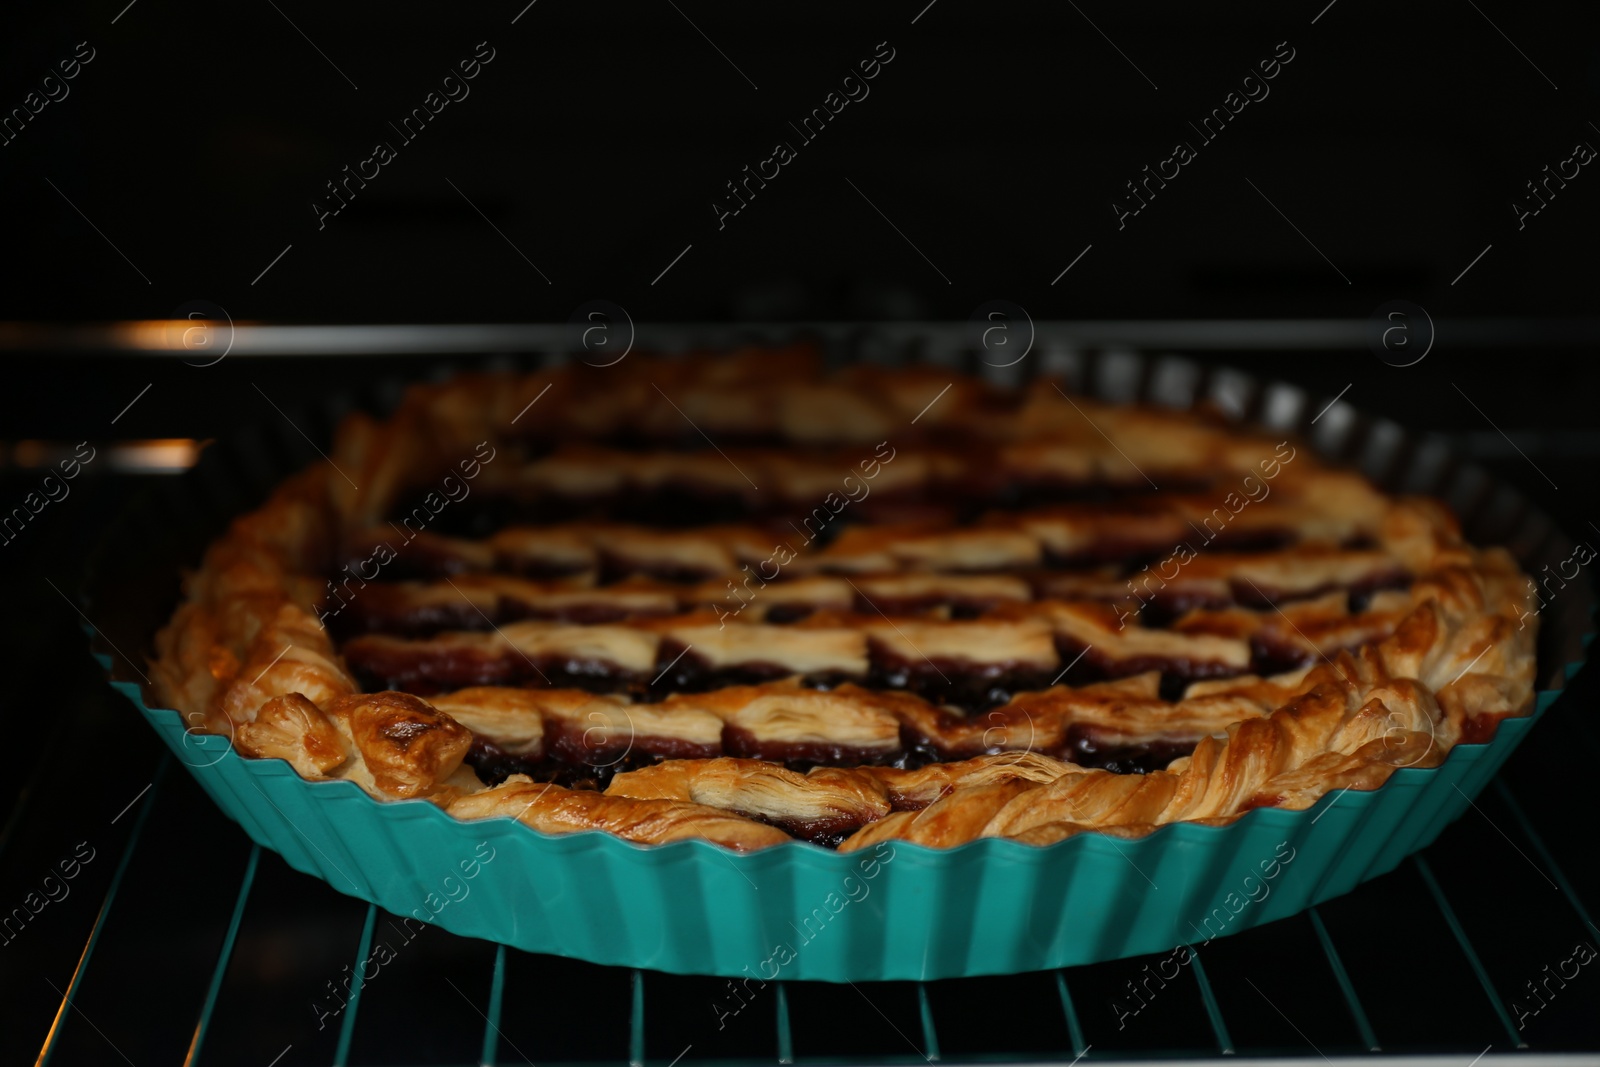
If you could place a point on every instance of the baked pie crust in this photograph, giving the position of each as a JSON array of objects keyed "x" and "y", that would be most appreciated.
[{"x": 856, "y": 618}]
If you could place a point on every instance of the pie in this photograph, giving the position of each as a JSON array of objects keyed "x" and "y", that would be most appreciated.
[{"x": 750, "y": 599}]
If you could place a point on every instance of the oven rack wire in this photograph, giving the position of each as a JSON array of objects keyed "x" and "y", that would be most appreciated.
[{"x": 1367, "y": 1043}]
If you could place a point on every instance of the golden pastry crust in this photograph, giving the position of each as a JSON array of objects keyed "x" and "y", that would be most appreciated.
[
  {"x": 557, "y": 810},
  {"x": 292, "y": 728},
  {"x": 953, "y": 673},
  {"x": 833, "y": 798}
]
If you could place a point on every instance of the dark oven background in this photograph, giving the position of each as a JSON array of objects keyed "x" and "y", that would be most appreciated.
[{"x": 1376, "y": 150}]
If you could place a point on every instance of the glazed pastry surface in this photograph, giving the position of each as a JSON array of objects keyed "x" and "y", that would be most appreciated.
[{"x": 858, "y": 618}]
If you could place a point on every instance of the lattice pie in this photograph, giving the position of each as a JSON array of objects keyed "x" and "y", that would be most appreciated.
[{"x": 741, "y": 598}]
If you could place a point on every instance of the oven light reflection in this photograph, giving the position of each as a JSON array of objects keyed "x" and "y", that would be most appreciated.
[
  {"x": 166, "y": 455},
  {"x": 163, "y": 456}
]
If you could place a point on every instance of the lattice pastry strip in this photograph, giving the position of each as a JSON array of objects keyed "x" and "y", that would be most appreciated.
[
  {"x": 1023, "y": 642},
  {"x": 1330, "y": 512}
]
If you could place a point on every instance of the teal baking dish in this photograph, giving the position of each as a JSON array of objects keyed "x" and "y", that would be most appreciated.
[{"x": 801, "y": 912}]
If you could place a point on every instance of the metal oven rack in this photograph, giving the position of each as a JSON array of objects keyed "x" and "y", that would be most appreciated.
[{"x": 176, "y": 940}]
